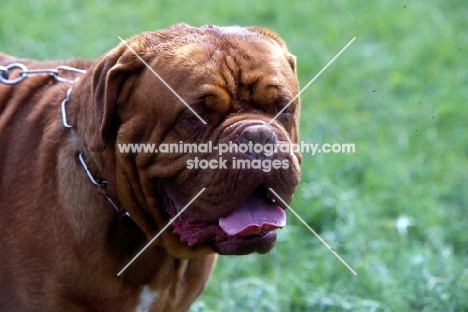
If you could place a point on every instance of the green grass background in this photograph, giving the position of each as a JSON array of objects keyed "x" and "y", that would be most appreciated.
[{"x": 399, "y": 93}]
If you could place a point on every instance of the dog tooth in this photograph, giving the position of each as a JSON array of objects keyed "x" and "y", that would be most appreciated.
[{"x": 271, "y": 198}]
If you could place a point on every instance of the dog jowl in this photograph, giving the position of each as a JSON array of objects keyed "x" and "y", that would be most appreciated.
[{"x": 64, "y": 238}]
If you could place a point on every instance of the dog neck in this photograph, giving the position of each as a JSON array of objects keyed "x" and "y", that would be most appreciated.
[
  {"x": 84, "y": 155},
  {"x": 101, "y": 184}
]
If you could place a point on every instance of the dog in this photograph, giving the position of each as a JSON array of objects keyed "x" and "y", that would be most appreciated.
[{"x": 76, "y": 209}]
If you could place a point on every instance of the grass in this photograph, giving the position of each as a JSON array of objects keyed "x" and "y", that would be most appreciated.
[{"x": 399, "y": 93}]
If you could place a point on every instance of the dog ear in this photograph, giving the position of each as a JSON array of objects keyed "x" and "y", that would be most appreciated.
[
  {"x": 109, "y": 75},
  {"x": 272, "y": 35},
  {"x": 292, "y": 61}
]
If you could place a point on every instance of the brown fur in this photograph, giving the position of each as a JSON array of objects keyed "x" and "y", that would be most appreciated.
[{"x": 61, "y": 242}]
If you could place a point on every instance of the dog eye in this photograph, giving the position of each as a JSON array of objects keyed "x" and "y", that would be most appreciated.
[
  {"x": 202, "y": 116},
  {"x": 285, "y": 110},
  {"x": 192, "y": 125}
]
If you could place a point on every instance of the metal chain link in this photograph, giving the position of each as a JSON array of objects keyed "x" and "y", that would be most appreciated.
[{"x": 24, "y": 72}]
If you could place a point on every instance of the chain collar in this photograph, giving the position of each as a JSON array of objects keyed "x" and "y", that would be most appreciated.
[
  {"x": 101, "y": 184},
  {"x": 56, "y": 73},
  {"x": 25, "y": 72}
]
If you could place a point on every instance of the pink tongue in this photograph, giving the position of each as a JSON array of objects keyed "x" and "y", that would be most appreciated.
[{"x": 255, "y": 216}]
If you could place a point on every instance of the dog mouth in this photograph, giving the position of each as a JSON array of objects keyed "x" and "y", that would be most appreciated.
[{"x": 248, "y": 228}]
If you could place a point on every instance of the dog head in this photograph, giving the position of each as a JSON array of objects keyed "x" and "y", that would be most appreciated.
[{"x": 233, "y": 81}]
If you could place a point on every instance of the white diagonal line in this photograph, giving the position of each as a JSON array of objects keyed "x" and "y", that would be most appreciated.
[
  {"x": 313, "y": 79},
  {"x": 313, "y": 232},
  {"x": 162, "y": 230},
  {"x": 162, "y": 80}
]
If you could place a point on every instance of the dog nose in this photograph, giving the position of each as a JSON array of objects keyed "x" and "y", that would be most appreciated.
[
  {"x": 259, "y": 134},
  {"x": 259, "y": 139}
]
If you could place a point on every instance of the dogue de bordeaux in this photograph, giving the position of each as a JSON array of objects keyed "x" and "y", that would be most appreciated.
[{"x": 64, "y": 237}]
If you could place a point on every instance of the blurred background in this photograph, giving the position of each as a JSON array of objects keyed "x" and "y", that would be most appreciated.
[{"x": 395, "y": 210}]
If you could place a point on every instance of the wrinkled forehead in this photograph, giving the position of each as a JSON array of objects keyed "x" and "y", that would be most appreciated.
[
  {"x": 229, "y": 64},
  {"x": 233, "y": 42}
]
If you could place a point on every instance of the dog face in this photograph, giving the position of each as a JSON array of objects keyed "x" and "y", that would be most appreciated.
[{"x": 236, "y": 80}]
